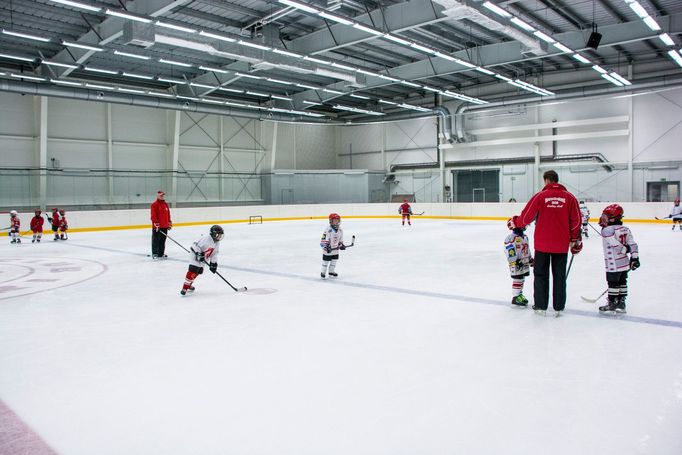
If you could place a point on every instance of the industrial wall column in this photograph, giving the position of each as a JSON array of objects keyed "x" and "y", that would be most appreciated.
[
  {"x": 175, "y": 155},
  {"x": 221, "y": 164},
  {"x": 537, "y": 181},
  {"x": 631, "y": 147},
  {"x": 110, "y": 156},
  {"x": 41, "y": 101}
]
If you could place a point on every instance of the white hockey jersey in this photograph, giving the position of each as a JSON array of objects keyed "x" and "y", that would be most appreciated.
[
  {"x": 208, "y": 246},
  {"x": 518, "y": 254},
  {"x": 676, "y": 212},
  {"x": 333, "y": 238},
  {"x": 585, "y": 214},
  {"x": 615, "y": 240}
]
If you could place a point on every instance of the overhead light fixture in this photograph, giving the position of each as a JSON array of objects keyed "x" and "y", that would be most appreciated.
[
  {"x": 26, "y": 36},
  {"x": 530, "y": 87},
  {"x": 335, "y": 92},
  {"x": 311, "y": 103},
  {"x": 518, "y": 22},
  {"x": 174, "y": 62},
  {"x": 504, "y": 78},
  {"x": 264, "y": 95},
  {"x": 389, "y": 78},
  {"x": 334, "y": 18},
  {"x": 396, "y": 39},
  {"x": 130, "y": 90},
  {"x": 309, "y": 87},
  {"x": 126, "y": 54},
  {"x": 464, "y": 63},
  {"x": 278, "y": 81},
  {"x": 287, "y": 53},
  {"x": 211, "y": 100},
  {"x": 100, "y": 87},
  {"x": 168, "y": 95},
  {"x": 75, "y": 84},
  {"x": 248, "y": 76},
  {"x": 138, "y": 76},
  {"x": 410, "y": 84},
  {"x": 218, "y": 37},
  {"x": 675, "y": 56},
  {"x": 78, "y": 5},
  {"x": 612, "y": 80},
  {"x": 544, "y": 37},
  {"x": 619, "y": 78},
  {"x": 419, "y": 47},
  {"x": 388, "y": 102},
  {"x": 253, "y": 45},
  {"x": 215, "y": 70},
  {"x": 171, "y": 80},
  {"x": 652, "y": 24},
  {"x": 366, "y": 29},
  {"x": 63, "y": 65},
  {"x": 366, "y": 73},
  {"x": 127, "y": 15},
  {"x": 562, "y": 48},
  {"x": 233, "y": 90},
  {"x": 16, "y": 57},
  {"x": 191, "y": 98},
  {"x": 667, "y": 40},
  {"x": 30, "y": 78},
  {"x": 175, "y": 27},
  {"x": 496, "y": 9},
  {"x": 445, "y": 56},
  {"x": 581, "y": 59},
  {"x": 599, "y": 69},
  {"x": 480, "y": 69},
  {"x": 99, "y": 70},
  {"x": 639, "y": 10},
  {"x": 316, "y": 60},
  {"x": 301, "y": 6},
  {"x": 360, "y": 97},
  {"x": 196, "y": 84},
  {"x": 278, "y": 97},
  {"x": 82, "y": 46},
  {"x": 343, "y": 67}
]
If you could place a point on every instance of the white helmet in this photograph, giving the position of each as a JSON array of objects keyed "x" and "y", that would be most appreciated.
[{"x": 13, "y": 213}]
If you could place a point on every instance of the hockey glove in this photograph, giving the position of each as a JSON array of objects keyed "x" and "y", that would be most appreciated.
[
  {"x": 199, "y": 255},
  {"x": 213, "y": 267},
  {"x": 328, "y": 249},
  {"x": 576, "y": 246},
  {"x": 342, "y": 247},
  {"x": 634, "y": 263},
  {"x": 49, "y": 219},
  {"x": 531, "y": 262},
  {"x": 156, "y": 227}
]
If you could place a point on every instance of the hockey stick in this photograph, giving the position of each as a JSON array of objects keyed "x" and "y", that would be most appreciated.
[
  {"x": 570, "y": 263},
  {"x": 418, "y": 214},
  {"x": 204, "y": 261},
  {"x": 351, "y": 243},
  {"x": 594, "y": 300}
]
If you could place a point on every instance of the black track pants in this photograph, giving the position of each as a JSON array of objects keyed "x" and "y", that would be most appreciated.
[{"x": 543, "y": 261}]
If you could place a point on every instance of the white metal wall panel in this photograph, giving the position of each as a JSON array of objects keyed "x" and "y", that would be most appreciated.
[
  {"x": 77, "y": 155},
  {"x": 16, "y": 114},
  {"x": 140, "y": 157},
  {"x": 76, "y": 119},
  {"x": 315, "y": 147},
  {"x": 205, "y": 132},
  {"x": 139, "y": 124},
  {"x": 18, "y": 152},
  {"x": 658, "y": 126}
]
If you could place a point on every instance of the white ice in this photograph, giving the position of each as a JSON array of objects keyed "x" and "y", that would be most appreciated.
[{"x": 413, "y": 349}]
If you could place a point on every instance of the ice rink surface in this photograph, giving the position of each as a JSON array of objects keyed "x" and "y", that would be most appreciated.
[{"x": 413, "y": 349}]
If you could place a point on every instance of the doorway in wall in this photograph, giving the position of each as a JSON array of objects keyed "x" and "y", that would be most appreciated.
[
  {"x": 477, "y": 185},
  {"x": 662, "y": 191}
]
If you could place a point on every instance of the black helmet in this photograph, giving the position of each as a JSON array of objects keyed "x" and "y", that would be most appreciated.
[{"x": 217, "y": 233}]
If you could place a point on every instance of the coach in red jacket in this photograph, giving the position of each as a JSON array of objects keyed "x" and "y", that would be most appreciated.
[
  {"x": 161, "y": 223},
  {"x": 557, "y": 230}
]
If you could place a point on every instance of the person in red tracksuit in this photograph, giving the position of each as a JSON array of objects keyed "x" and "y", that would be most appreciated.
[
  {"x": 161, "y": 224},
  {"x": 406, "y": 211},
  {"x": 558, "y": 222},
  {"x": 37, "y": 226}
]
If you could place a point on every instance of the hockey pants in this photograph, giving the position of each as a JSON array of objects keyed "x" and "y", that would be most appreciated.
[{"x": 329, "y": 261}]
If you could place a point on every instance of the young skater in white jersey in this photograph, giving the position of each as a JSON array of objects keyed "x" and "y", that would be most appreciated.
[
  {"x": 618, "y": 242},
  {"x": 331, "y": 243},
  {"x": 676, "y": 214},
  {"x": 14, "y": 227},
  {"x": 520, "y": 261},
  {"x": 585, "y": 215},
  {"x": 205, "y": 250}
]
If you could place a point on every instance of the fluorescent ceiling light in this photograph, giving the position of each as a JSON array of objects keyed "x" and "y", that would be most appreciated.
[
  {"x": 254, "y": 45},
  {"x": 496, "y": 9},
  {"x": 480, "y": 69},
  {"x": 129, "y": 90},
  {"x": 360, "y": 97},
  {"x": 101, "y": 87},
  {"x": 527, "y": 27},
  {"x": 171, "y": 80},
  {"x": 26, "y": 35},
  {"x": 599, "y": 69},
  {"x": 218, "y": 37},
  {"x": 311, "y": 103},
  {"x": 235, "y": 104},
  {"x": 126, "y": 54},
  {"x": 675, "y": 56},
  {"x": 316, "y": 60},
  {"x": 562, "y": 48},
  {"x": 175, "y": 27},
  {"x": 544, "y": 37},
  {"x": 309, "y": 87},
  {"x": 191, "y": 98},
  {"x": 249, "y": 76},
  {"x": 445, "y": 56},
  {"x": 211, "y": 100},
  {"x": 126, "y": 15},
  {"x": 277, "y": 97},
  {"x": 581, "y": 59},
  {"x": 196, "y": 84},
  {"x": 233, "y": 90},
  {"x": 611, "y": 80},
  {"x": 301, "y": 6},
  {"x": 335, "y": 92},
  {"x": 620, "y": 78},
  {"x": 464, "y": 63},
  {"x": 335, "y": 18},
  {"x": 77, "y": 84},
  {"x": 215, "y": 70},
  {"x": 396, "y": 39},
  {"x": 63, "y": 65},
  {"x": 15, "y": 57},
  {"x": 504, "y": 78},
  {"x": 30, "y": 78},
  {"x": 432, "y": 89},
  {"x": 389, "y": 78},
  {"x": 77, "y": 5},
  {"x": 82, "y": 46},
  {"x": 174, "y": 62},
  {"x": 265, "y": 95},
  {"x": 367, "y": 73},
  {"x": 419, "y": 47},
  {"x": 410, "y": 84},
  {"x": 667, "y": 40},
  {"x": 364, "y": 28},
  {"x": 343, "y": 67},
  {"x": 138, "y": 76},
  {"x": 283, "y": 52},
  {"x": 169, "y": 95},
  {"x": 278, "y": 81},
  {"x": 99, "y": 70},
  {"x": 652, "y": 24},
  {"x": 388, "y": 102},
  {"x": 639, "y": 10}
]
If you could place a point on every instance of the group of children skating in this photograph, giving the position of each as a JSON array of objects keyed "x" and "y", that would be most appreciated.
[
  {"x": 58, "y": 222},
  {"x": 621, "y": 255}
]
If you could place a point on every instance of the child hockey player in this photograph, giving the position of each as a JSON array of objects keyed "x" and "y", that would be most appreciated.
[
  {"x": 406, "y": 211},
  {"x": 676, "y": 214},
  {"x": 37, "y": 226},
  {"x": 63, "y": 225},
  {"x": 331, "y": 243},
  {"x": 203, "y": 251},
  {"x": 618, "y": 242},
  {"x": 585, "y": 215},
  {"x": 14, "y": 227},
  {"x": 520, "y": 262},
  {"x": 54, "y": 221}
]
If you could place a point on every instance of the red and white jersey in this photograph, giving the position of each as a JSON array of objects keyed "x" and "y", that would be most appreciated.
[
  {"x": 517, "y": 249},
  {"x": 63, "y": 225},
  {"x": 405, "y": 209},
  {"x": 615, "y": 238},
  {"x": 676, "y": 212},
  {"x": 333, "y": 238},
  {"x": 585, "y": 214},
  {"x": 15, "y": 224},
  {"x": 206, "y": 245},
  {"x": 37, "y": 223},
  {"x": 55, "y": 219}
]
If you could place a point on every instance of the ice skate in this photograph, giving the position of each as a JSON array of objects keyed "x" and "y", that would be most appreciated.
[
  {"x": 334, "y": 274},
  {"x": 33, "y": 241},
  {"x": 13, "y": 241},
  {"x": 558, "y": 314},
  {"x": 519, "y": 301},
  {"x": 620, "y": 305},
  {"x": 610, "y": 307},
  {"x": 323, "y": 275},
  {"x": 18, "y": 240},
  {"x": 539, "y": 311}
]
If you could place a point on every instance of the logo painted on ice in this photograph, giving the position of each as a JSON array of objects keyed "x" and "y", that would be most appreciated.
[{"x": 25, "y": 276}]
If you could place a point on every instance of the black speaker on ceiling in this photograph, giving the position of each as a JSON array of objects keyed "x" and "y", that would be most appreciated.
[{"x": 594, "y": 40}]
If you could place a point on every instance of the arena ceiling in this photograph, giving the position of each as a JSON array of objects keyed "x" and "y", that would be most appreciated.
[{"x": 336, "y": 59}]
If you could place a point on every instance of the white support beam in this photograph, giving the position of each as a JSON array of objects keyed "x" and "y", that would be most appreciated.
[
  {"x": 110, "y": 155},
  {"x": 221, "y": 162},
  {"x": 175, "y": 155},
  {"x": 42, "y": 150},
  {"x": 274, "y": 146}
]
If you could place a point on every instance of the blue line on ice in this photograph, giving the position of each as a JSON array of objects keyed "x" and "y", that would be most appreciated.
[{"x": 436, "y": 295}]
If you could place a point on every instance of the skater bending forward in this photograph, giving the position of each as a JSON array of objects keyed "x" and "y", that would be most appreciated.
[
  {"x": 203, "y": 251},
  {"x": 331, "y": 243},
  {"x": 618, "y": 242}
]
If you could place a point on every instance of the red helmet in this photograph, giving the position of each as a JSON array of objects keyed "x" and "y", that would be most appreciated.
[
  {"x": 38, "y": 212},
  {"x": 334, "y": 216},
  {"x": 54, "y": 210},
  {"x": 611, "y": 212},
  {"x": 404, "y": 200},
  {"x": 677, "y": 201},
  {"x": 61, "y": 211}
]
